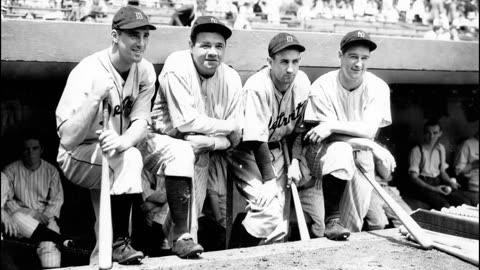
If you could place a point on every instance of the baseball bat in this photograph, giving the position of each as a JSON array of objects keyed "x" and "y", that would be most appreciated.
[
  {"x": 302, "y": 224},
  {"x": 415, "y": 230},
  {"x": 105, "y": 233},
  {"x": 444, "y": 244}
]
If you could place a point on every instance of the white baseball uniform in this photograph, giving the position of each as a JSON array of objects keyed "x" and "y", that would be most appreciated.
[
  {"x": 269, "y": 117},
  {"x": 37, "y": 191},
  {"x": 370, "y": 103},
  {"x": 129, "y": 101},
  {"x": 197, "y": 105}
]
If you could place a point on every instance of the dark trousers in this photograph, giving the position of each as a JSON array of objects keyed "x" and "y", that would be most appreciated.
[{"x": 437, "y": 200}]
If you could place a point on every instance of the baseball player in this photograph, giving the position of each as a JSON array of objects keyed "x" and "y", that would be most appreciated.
[
  {"x": 275, "y": 99},
  {"x": 35, "y": 199},
  {"x": 196, "y": 114},
  {"x": 346, "y": 107},
  {"x": 121, "y": 75}
]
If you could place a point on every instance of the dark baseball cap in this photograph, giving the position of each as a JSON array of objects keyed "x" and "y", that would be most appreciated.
[
  {"x": 282, "y": 41},
  {"x": 210, "y": 24},
  {"x": 130, "y": 17},
  {"x": 357, "y": 36}
]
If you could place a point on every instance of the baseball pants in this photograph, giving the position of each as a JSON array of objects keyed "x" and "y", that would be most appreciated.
[
  {"x": 338, "y": 159},
  {"x": 50, "y": 256},
  {"x": 269, "y": 223}
]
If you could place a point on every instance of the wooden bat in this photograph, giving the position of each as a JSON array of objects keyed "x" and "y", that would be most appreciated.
[
  {"x": 415, "y": 230},
  {"x": 447, "y": 244},
  {"x": 302, "y": 224},
  {"x": 105, "y": 233}
]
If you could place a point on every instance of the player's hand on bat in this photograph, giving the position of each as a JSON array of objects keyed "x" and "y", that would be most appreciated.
[
  {"x": 10, "y": 227},
  {"x": 102, "y": 88},
  {"x": 454, "y": 184},
  {"x": 110, "y": 141},
  {"x": 267, "y": 193},
  {"x": 384, "y": 157},
  {"x": 294, "y": 174},
  {"x": 318, "y": 133},
  {"x": 200, "y": 143}
]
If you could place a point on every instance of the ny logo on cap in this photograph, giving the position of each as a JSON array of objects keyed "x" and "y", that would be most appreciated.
[
  {"x": 213, "y": 20},
  {"x": 361, "y": 34},
  {"x": 289, "y": 38},
  {"x": 138, "y": 15}
]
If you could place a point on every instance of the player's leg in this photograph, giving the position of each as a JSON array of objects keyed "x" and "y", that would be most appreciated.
[
  {"x": 333, "y": 163},
  {"x": 260, "y": 223},
  {"x": 48, "y": 253},
  {"x": 376, "y": 218},
  {"x": 178, "y": 168}
]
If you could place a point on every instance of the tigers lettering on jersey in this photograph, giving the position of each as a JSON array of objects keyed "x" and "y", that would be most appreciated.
[{"x": 284, "y": 121}]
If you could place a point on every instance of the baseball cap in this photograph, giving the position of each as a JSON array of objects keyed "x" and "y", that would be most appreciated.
[
  {"x": 210, "y": 24},
  {"x": 282, "y": 41},
  {"x": 130, "y": 17},
  {"x": 358, "y": 36}
]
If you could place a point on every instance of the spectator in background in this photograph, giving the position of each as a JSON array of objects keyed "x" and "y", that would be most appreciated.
[
  {"x": 466, "y": 167},
  {"x": 402, "y": 7},
  {"x": 37, "y": 197},
  {"x": 244, "y": 14},
  {"x": 185, "y": 13},
  {"x": 429, "y": 180},
  {"x": 371, "y": 10},
  {"x": 417, "y": 14},
  {"x": 359, "y": 7}
]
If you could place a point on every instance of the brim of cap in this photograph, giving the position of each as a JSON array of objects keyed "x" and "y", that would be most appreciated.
[
  {"x": 370, "y": 44},
  {"x": 137, "y": 24},
  {"x": 213, "y": 27},
  {"x": 296, "y": 46}
]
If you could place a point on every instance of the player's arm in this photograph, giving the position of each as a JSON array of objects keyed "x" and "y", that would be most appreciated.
[
  {"x": 181, "y": 106},
  {"x": 73, "y": 130},
  {"x": 55, "y": 195},
  {"x": 268, "y": 190}
]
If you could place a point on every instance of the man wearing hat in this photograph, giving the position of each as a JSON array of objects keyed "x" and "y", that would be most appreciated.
[
  {"x": 195, "y": 114},
  {"x": 121, "y": 76},
  {"x": 345, "y": 109},
  {"x": 275, "y": 99}
]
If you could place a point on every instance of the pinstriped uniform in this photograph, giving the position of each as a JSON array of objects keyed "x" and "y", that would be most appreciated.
[
  {"x": 329, "y": 101},
  {"x": 39, "y": 191},
  {"x": 184, "y": 97},
  {"x": 128, "y": 101}
]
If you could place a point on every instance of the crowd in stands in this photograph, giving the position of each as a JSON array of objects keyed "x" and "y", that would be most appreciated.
[{"x": 448, "y": 19}]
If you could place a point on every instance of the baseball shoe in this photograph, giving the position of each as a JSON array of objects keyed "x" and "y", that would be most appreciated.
[
  {"x": 123, "y": 252},
  {"x": 185, "y": 248},
  {"x": 335, "y": 230}
]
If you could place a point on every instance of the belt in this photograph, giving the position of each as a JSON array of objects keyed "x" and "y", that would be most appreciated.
[{"x": 274, "y": 145}]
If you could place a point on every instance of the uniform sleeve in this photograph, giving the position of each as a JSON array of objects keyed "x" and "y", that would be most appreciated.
[
  {"x": 6, "y": 189},
  {"x": 319, "y": 107},
  {"x": 142, "y": 106},
  {"x": 462, "y": 158},
  {"x": 181, "y": 107},
  {"x": 55, "y": 195},
  {"x": 11, "y": 205},
  {"x": 377, "y": 111},
  {"x": 76, "y": 90},
  {"x": 257, "y": 115},
  {"x": 301, "y": 106},
  {"x": 414, "y": 160}
]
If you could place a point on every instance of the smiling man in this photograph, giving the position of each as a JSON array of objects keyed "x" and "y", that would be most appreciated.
[
  {"x": 197, "y": 107},
  {"x": 345, "y": 109},
  {"x": 126, "y": 80}
]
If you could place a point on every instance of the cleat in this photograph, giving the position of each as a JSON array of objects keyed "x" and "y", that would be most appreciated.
[
  {"x": 123, "y": 252},
  {"x": 336, "y": 231}
]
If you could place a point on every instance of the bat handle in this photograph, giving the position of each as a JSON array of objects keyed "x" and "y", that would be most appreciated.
[{"x": 105, "y": 234}]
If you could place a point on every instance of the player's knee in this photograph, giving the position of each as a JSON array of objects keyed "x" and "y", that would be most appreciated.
[
  {"x": 133, "y": 157},
  {"x": 341, "y": 149}
]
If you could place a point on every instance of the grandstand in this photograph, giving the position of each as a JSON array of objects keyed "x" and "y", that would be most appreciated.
[{"x": 161, "y": 11}]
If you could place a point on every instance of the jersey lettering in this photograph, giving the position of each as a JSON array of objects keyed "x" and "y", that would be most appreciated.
[{"x": 283, "y": 121}]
